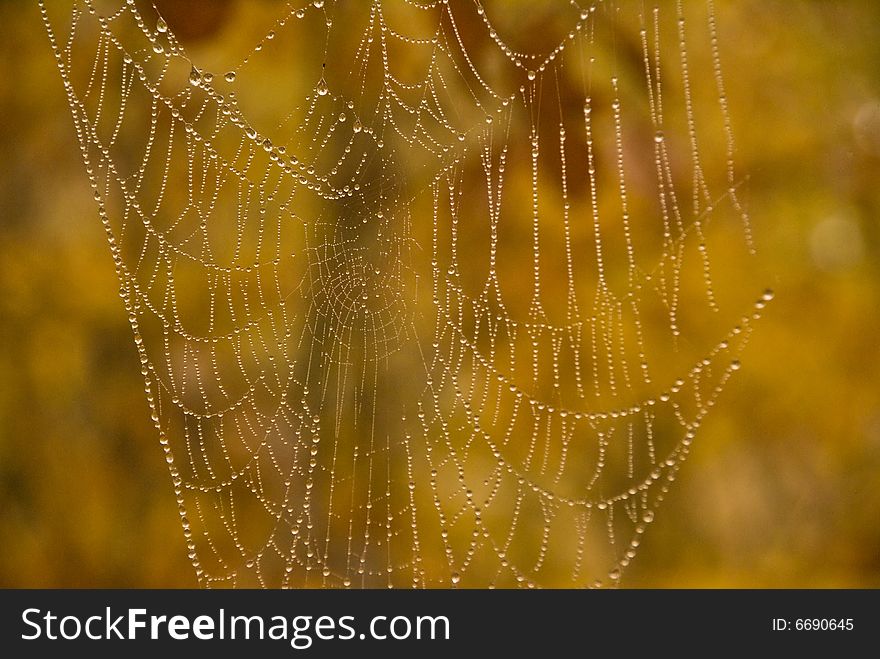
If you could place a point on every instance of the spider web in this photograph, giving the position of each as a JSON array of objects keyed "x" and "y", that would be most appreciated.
[{"x": 421, "y": 291}]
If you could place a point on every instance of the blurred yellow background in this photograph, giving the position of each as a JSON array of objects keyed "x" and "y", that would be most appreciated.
[{"x": 783, "y": 489}]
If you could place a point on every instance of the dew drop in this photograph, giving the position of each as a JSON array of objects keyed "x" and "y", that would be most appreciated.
[
  {"x": 768, "y": 295},
  {"x": 531, "y": 75},
  {"x": 456, "y": 577},
  {"x": 195, "y": 77},
  {"x": 322, "y": 88},
  {"x": 358, "y": 126},
  {"x": 161, "y": 25},
  {"x": 230, "y": 76}
]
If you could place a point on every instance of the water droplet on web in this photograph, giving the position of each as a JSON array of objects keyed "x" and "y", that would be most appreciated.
[
  {"x": 768, "y": 295},
  {"x": 161, "y": 25},
  {"x": 230, "y": 76},
  {"x": 322, "y": 88},
  {"x": 531, "y": 75},
  {"x": 648, "y": 516},
  {"x": 735, "y": 365},
  {"x": 195, "y": 77},
  {"x": 318, "y": 3},
  {"x": 659, "y": 137},
  {"x": 456, "y": 577},
  {"x": 358, "y": 126}
]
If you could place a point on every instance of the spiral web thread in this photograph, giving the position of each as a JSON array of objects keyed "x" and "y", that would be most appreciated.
[{"x": 448, "y": 319}]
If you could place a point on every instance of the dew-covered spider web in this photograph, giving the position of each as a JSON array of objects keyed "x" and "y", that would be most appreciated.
[{"x": 425, "y": 293}]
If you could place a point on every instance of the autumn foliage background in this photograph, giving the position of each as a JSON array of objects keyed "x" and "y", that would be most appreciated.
[{"x": 783, "y": 489}]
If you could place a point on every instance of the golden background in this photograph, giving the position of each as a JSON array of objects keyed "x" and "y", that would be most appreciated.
[{"x": 783, "y": 488}]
